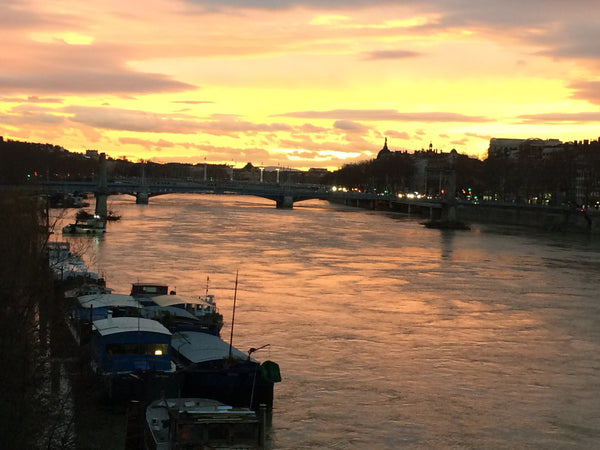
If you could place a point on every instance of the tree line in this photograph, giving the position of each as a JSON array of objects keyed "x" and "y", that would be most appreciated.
[{"x": 568, "y": 174}]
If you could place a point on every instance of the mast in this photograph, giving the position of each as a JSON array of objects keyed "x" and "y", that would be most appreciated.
[{"x": 233, "y": 314}]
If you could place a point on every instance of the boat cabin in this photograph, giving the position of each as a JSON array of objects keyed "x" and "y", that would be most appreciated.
[
  {"x": 130, "y": 344},
  {"x": 98, "y": 306},
  {"x": 196, "y": 305},
  {"x": 145, "y": 291},
  {"x": 85, "y": 309},
  {"x": 200, "y": 423}
]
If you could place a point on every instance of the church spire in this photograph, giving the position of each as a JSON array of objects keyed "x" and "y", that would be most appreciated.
[{"x": 384, "y": 151}]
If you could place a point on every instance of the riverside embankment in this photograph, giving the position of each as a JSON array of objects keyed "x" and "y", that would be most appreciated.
[{"x": 564, "y": 218}]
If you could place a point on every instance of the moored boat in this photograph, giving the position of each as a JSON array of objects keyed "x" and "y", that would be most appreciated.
[
  {"x": 93, "y": 225},
  {"x": 208, "y": 367},
  {"x": 67, "y": 266},
  {"x": 145, "y": 291},
  {"x": 132, "y": 358},
  {"x": 86, "y": 309},
  {"x": 186, "y": 312},
  {"x": 199, "y": 423},
  {"x": 178, "y": 312}
]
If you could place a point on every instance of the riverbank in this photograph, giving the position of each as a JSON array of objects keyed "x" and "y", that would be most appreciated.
[{"x": 567, "y": 219}]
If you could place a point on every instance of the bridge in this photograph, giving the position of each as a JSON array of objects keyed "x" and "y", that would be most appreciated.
[
  {"x": 284, "y": 195},
  {"x": 444, "y": 209}
]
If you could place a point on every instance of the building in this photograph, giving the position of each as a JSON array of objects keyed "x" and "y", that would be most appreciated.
[{"x": 516, "y": 148}]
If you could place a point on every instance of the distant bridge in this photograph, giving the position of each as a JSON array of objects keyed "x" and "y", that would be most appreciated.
[{"x": 284, "y": 195}]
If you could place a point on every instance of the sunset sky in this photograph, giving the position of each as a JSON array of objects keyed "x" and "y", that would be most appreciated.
[{"x": 296, "y": 83}]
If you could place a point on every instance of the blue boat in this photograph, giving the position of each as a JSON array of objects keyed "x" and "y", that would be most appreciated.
[
  {"x": 132, "y": 358},
  {"x": 92, "y": 307}
]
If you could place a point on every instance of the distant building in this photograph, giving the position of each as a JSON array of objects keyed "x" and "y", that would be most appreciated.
[
  {"x": 385, "y": 151},
  {"x": 515, "y": 148}
]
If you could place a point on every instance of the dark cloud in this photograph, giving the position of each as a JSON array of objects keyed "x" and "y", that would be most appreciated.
[
  {"x": 31, "y": 116},
  {"x": 30, "y": 99},
  {"x": 384, "y": 115},
  {"x": 350, "y": 126},
  {"x": 561, "y": 117},
  {"x": 397, "y": 134},
  {"x": 130, "y": 120},
  {"x": 310, "y": 128},
  {"x": 144, "y": 121},
  {"x": 14, "y": 15},
  {"x": 562, "y": 30},
  {"x": 586, "y": 90},
  {"x": 390, "y": 54},
  {"x": 91, "y": 83},
  {"x": 232, "y": 126}
]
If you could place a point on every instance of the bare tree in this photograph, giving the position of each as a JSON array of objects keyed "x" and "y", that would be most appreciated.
[{"x": 30, "y": 408}]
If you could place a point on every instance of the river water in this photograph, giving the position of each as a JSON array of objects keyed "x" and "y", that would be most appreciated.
[{"x": 388, "y": 334}]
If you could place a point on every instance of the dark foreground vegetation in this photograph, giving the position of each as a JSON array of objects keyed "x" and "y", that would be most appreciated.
[
  {"x": 45, "y": 402},
  {"x": 30, "y": 410}
]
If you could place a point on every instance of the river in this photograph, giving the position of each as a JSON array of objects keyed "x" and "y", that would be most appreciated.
[{"x": 388, "y": 334}]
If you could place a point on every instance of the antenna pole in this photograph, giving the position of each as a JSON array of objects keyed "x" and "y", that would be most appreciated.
[{"x": 233, "y": 314}]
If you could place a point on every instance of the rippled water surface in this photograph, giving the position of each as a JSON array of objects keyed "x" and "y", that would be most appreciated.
[{"x": 389, "y": 335}]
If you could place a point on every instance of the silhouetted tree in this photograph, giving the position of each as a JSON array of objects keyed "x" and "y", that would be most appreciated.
[{"x": 28, "y": 415}]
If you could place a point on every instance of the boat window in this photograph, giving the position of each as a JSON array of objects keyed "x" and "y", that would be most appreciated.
[{"x": 137, "y": 349}]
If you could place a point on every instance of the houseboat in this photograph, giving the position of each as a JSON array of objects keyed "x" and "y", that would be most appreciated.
[
  {"x": 199, "y": 423},
  {"x": 67, "y": 266},
  {"x": 132, "y": 358},
  {"x": 85, "y": 309},
  {"x": 178, "y": 312},
  {"x": 208, "y": 367},
  {"x": 186, "y": 312},
  {"x": 145, "y": 291},
  {"x": 94, "y": 226}
]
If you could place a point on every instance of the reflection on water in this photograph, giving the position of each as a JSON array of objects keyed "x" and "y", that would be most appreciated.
[
  {"x": 388, "y": 334},
  {"x": 447, "y": 242}
]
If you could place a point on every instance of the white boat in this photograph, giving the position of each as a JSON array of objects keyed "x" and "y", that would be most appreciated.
[
  {"x": 94, "y": 225},
  {"x": 177, "y": 423},
  {"x": 178, "y": 312},
  {"x": 66, "y": 265}
]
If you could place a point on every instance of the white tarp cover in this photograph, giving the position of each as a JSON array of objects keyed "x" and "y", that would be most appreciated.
[
  {"x": 170, "y": 300},
  {"x": 107, "y": 300},
  {"x": 200, "y": 347},
  {"x": 128, "y": 324}
]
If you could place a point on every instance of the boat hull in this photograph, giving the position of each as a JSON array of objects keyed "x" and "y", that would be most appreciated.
[
  {"x": 239, "y": 384},
  {"x": 73, "y": 229}
]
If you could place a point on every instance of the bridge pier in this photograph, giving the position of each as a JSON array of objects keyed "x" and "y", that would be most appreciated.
[
  {"x": 101, "y": 193},
  {"x": 141, "y": 198},
  {"x": 285, "y": 202},
  {"x": 449, "y": 212}
]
